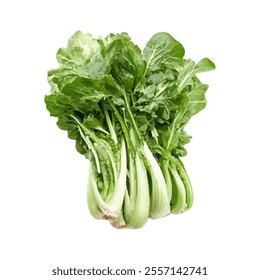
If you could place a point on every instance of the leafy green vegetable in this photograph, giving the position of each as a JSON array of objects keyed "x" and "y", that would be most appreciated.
[{"x": 127, "y": 110}]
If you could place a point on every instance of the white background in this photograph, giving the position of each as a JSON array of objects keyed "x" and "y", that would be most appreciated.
[{"x": 45, "y": 222}]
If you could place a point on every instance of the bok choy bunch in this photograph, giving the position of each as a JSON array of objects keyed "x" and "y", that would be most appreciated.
[{"x": 127, "y": 109}]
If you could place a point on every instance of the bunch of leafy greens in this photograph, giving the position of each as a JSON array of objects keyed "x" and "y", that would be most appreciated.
[{"x": 127, "y": 110}]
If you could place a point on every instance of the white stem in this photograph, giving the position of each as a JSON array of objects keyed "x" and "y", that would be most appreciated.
[{"x": 160, "y": 206}]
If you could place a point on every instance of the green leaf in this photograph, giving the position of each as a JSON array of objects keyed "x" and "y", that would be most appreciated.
[
  {"x": 204, "y": 65},
  {"x": 161, "y": 47},
  {"x": 83, "y": 56},
  {"x": 125, "y": 60},
  {"x": 93, "y": 123},
  {"x": 190, "y": 69},
  {"x": 81, "y": 47}
]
